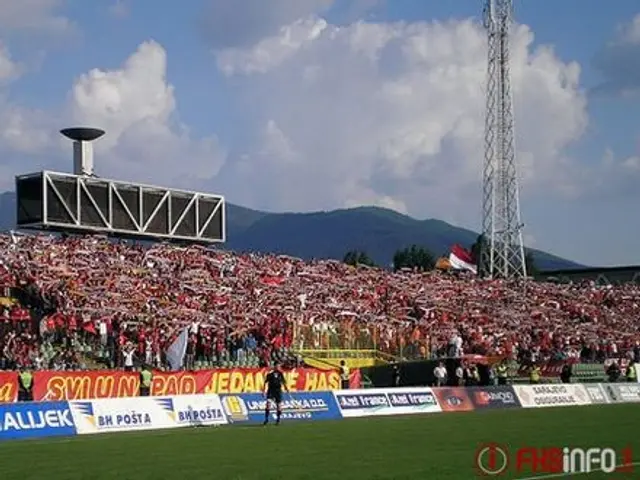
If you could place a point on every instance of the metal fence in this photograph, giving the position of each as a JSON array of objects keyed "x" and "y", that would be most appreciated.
[{"x": 401, "y": 344}]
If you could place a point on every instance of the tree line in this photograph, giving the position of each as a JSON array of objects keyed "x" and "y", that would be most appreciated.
[
  {"x": 414, "y": 257},
  {"x": 420, "y": 258}
]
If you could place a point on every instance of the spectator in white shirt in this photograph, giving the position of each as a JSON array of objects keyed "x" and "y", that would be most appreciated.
[
  {"x": 128, "y": 354},
  {"x": 440, "y": 372}
]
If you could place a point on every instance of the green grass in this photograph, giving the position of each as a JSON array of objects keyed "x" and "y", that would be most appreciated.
[{"x": 440, "y": 446}]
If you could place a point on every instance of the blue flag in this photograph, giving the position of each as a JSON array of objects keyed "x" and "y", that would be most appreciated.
[{"x": 177, "y": 350}]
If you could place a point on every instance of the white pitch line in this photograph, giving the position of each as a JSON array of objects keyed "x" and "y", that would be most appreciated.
[{"x": 558, "y": 475}]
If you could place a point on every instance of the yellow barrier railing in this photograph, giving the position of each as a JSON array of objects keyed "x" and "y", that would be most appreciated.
[
  {"x": 352, "y": 358},
  {"x": 375, "y": 341},
  {"x": 344, "y": 354}
]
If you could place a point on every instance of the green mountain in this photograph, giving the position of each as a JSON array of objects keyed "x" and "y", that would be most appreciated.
[{"x": 377, "y": 231}]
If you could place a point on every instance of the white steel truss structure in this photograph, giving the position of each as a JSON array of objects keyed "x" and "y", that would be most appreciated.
[
  {"x": 73, "y": 203},
  {"x": 502, "y": 248}
]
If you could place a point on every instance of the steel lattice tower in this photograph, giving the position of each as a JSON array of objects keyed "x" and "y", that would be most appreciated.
[{"x": 502, "y": 249}]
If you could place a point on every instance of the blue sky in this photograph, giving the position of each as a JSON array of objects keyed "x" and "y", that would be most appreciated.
[{"x": 303, "y": 105}]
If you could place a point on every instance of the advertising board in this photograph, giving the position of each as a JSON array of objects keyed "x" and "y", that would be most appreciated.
[
  {"x": 32, "y": 420},
  {"x": 394, "y": 401},
  {"x": 494, "y": 397},
  {"x": 558, "y": 395},
  {"x": 623, "y": 392},
  {"x": 454, "y": 399},
  {"x": 121, "y": 415},
  {"x": 90, "y": 385},
  {"x": 250, "y": 407},
  {"x": 193, "y": 410},
  {"x": 597, "y": 393}
]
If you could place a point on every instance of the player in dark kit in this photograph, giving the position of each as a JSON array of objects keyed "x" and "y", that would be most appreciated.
[{"x": 274, "y": 383}]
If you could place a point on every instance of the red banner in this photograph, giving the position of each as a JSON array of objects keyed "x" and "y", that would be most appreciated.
[
  {"x": 50, "y": 385},
  {"x": 552, "y": 368},
  {"x": 8, "y": 387},
  {"x": 355, "y": 379}
]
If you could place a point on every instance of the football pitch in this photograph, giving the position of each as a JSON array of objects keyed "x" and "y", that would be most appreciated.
[{"x": 437, "y": 446}]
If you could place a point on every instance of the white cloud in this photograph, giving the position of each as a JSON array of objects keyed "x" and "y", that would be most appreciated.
[
  {"x": 115, "y": 100},
  {"x": 241, "y": 23},
  {"x": 27, "y": 136},
  {"x": 271, "y": 51},
  {"x": 34, "y": 16},
  {"x": 24, "y": 132},
  {"x": 615, "y": 176},
  {"x": 364, "y": 196},
  {"x": 618, "y": 62},
  {"x": 529, "y": 240},
  {"x": 393, "y": 114},
  {"x": 632, "y": 163},
  {"x": 630, "y": 33},
  {"x": 137, "y": 107},
  {"x": 277, "y": 146},
  {"x": 119, "y": 9},
  {"x": 9, "y": 70}
]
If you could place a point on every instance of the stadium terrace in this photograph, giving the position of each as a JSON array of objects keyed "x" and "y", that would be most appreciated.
[{"x": 85, "y": 302}]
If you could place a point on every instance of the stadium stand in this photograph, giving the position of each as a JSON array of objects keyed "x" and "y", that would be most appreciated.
[{"x": 82, "y": 302}]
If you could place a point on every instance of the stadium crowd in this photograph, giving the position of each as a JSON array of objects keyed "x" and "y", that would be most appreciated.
[{"x": 128, "y": 302}]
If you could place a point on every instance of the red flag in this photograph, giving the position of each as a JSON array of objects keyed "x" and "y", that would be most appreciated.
[{"x": 88, "y": 327}]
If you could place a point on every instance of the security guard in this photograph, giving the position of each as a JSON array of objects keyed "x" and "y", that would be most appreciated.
[
  {"x": 502, "y": 372},
  {"x": 344, "y": 375},
  {"x": 26, "y": 385},
  {"x": 534, "y": 375},
  {"x": 146, "y": 376},
  {"x": 475, "y": 375},
  {"x": 395, "y": 376},
  {"x": 632, "y": 372}
]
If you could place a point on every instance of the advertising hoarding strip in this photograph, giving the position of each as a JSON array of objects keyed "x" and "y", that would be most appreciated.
[
  {"x": 35, "y": 420},
  {"x": 58, "y": 418},
  {"x": 246, "y": 408},
  {"x": 622, "y": 392},
  {"x": 377, "y": 402},
  {"x": 553, "y": 395},
  {"x": 146, "y": 413},
  {"x": 494, "y": 397},
  {"x": 597, "y": 393}
]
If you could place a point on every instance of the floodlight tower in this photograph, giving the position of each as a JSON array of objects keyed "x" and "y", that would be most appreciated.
[
  {"x": 502, "y": 249},
  {"x": 82, "y": 148}
]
